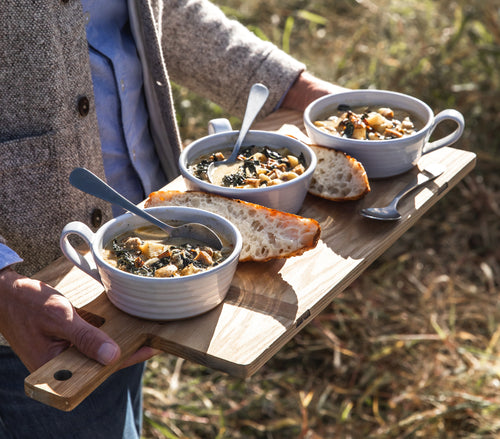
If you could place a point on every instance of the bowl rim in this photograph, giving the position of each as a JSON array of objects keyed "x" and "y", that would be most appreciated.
[
  {"x": 422, "y": 132},
  {"x": 231, "y": 190},
  {"x": 102, "y": 264}
]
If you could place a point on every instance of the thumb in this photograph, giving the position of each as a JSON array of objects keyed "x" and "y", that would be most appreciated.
[{"x": 92, "y": 342}]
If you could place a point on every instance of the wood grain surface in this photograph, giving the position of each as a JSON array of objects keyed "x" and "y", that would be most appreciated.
[{"x": 267, "y": 304}]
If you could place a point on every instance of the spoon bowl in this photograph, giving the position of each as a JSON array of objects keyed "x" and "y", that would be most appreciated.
[
  {"x": 89, "y": 183},
  {"x": 256, "y": 100},
  {"x": 390, "y": 212}
]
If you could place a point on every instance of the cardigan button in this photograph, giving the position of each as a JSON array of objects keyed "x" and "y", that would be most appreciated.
[
  {"x": 96, "y": 218},
  {"x": 83, "y": 106}
]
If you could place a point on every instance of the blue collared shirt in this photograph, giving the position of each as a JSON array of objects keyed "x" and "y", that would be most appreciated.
[{"x": 130, "y": 161}]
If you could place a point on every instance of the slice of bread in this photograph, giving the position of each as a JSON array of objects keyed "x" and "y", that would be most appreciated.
[
  {"x": 338, "y": 176},
  {"x": 267, "y": 233}
]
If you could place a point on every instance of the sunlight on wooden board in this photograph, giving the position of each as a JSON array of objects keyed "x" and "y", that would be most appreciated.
[{"x": 267, "y": 304}]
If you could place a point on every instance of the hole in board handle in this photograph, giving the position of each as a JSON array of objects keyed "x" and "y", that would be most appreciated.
[{"x": 63, "y": 375}]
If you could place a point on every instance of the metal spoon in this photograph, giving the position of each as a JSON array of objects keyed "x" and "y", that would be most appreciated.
[
  {"x": 390, "y": 212},
  {"x": 256, "y": 99},
  {"x": 88, "y": 182}
]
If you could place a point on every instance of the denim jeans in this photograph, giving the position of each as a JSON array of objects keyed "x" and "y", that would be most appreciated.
[{"x": 113, "y": 410}]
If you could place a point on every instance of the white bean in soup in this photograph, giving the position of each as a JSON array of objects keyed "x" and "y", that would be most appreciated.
[
  {"x": 148, "y": 251},
  {"x": 364, "y": 123},
  {"x": 258, "y": 166}
]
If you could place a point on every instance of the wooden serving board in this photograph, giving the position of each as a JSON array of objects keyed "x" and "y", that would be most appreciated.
[{"x": 267, "y": 304}]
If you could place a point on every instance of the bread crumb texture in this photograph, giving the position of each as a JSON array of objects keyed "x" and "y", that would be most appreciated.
[{"x": 338, "y": 176}]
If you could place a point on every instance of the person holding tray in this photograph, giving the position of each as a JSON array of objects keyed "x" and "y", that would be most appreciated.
[{"x": 87, "y": 84}]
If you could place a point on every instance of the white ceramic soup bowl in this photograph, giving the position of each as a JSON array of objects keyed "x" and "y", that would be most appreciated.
[
  {"x": 151, "y": 297},
  {"x": 287, "y": 196},
  {"x": 383, "y": 158}
]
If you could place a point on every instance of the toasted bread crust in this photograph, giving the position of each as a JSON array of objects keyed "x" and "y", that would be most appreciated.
[{"x": 267, "y": 233}]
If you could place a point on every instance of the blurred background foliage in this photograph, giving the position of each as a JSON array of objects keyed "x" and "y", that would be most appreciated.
[
  {"x": 411, "y": 349},
  {"x": 446, "y": 53}
]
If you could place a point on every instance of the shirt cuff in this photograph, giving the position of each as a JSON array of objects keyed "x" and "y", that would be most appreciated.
[{"x": 8, "y": 256}]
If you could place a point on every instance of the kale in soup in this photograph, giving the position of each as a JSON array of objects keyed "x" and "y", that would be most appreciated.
[
  {"x": 366, "y": 124},
  {"x": 148, "y": 251},
  {"x": 257, "y": 166}
]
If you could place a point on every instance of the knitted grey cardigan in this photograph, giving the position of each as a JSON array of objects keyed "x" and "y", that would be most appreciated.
[{"x": 48, "y": 124}]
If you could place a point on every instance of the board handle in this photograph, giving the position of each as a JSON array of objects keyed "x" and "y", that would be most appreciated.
[{"x": 66, "y": 380}]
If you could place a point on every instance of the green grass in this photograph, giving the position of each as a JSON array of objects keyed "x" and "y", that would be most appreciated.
[{"x": 411, "y": 349}]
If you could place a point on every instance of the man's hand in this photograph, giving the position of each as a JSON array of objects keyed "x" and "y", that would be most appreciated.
[{"x": 39, "y": 323}]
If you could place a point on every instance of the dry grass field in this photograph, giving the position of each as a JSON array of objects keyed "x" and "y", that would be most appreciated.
[{"x": 412, "y": 348}]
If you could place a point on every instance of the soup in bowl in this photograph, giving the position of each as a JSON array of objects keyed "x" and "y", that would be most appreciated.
[
  {"x": 275, "y": 171},
  {"x": 148, "y": 275},
  {"x": 386, "y": 131}
]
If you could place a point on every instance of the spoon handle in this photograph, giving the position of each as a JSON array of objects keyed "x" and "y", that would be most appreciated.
[
  {"x": 422, "y": 177},
  {"x": 258, "y": 94},
  {"x": 88, "y": 182}
]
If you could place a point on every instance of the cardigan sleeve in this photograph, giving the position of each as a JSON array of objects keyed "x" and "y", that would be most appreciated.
[{"x": 219, "y": 58}]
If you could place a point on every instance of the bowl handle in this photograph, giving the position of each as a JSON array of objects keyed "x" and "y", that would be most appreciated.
[
  {"x": 219, "y": 126},
  {"x": 84, "y": 262},
  {"x": 449, "y": 114}
]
